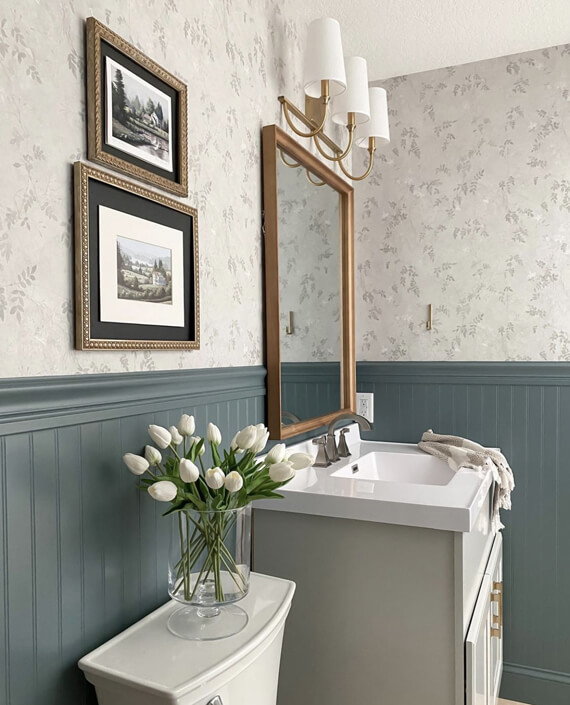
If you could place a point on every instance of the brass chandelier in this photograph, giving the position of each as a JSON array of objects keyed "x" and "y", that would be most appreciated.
[{"x": 338, "y": 88}]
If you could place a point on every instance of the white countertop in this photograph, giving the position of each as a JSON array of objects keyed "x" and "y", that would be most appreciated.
[{"x": 399, "y": 484}]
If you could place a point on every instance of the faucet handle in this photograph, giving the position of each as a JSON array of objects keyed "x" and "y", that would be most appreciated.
[
  {"x": 322, "y": 460},
  {"x": 343, "y": 450}
]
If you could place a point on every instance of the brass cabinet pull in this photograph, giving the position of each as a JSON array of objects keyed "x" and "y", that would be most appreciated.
[{"x": 497, "y": 596}]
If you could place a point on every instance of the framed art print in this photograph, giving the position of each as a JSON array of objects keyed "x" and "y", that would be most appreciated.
[
  {"x": 137, "y": 112},
  {"x": 136, "y": 266}
]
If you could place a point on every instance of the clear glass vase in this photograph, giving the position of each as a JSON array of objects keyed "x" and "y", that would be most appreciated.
[{"x": 208, "y": 571}]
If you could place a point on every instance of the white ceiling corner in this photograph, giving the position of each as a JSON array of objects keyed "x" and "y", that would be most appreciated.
[{"x": 399, "y": 37}]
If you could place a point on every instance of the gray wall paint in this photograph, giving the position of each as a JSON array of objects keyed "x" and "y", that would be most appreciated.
[
  {"x": 82, "y": 549},
  {"x": 524, "y": 408}
]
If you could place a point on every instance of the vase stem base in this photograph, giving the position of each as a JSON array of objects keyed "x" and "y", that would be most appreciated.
[{"x": 207, "y": 624}]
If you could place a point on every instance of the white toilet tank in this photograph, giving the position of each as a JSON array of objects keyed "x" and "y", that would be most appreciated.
[{"x": 147, "y": 665}]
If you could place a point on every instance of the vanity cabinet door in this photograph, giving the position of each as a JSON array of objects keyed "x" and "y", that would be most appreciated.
[
  {"x": 484, "y": 642},
  {"x": 477, "y": 650},
  {"x": 495, "y": 573}
]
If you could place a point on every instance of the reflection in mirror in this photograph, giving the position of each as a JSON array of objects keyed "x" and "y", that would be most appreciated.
[{"x": 309, "y": 292}]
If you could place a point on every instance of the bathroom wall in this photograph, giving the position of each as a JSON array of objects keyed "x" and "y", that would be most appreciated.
[
  {"x": 468, "y": 209},
  {"x": 236, "y": 57},
  {"x": 83, "y": 551}
]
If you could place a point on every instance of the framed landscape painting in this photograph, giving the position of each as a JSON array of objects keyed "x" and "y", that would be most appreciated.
[
  {"x": 136, "y": 266},
  {"x": 137, "y": 112}
]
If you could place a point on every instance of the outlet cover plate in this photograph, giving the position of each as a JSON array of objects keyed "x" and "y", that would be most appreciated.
[{"x": 365, "y": 405}]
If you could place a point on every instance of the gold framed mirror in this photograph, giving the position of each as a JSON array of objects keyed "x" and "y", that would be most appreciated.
[{"x": 309, "y": 288}]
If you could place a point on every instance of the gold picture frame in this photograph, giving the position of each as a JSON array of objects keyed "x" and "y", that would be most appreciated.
[
  {"x": 93, "y": 190},
  {"x": 151, "y": 148}
]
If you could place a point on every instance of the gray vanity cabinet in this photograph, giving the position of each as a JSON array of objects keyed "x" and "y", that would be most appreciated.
[{"x": 384, "y": 613}]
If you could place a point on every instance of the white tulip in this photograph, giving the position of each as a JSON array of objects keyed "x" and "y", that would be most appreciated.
[
  {"x": 188, "y": 471},
  {"x": 261, "y": 439},
  {"x": 246, "y": 437},
  {"x": 213, "y": 434},
  {"x": 281, "y": 472},
  {"x": 215, "y": 478},
  {"x": 233, "y": 444},
  {"x": 186, "y": 425},
  {"x": 176, "y": 437},
  {"x": 233, "y": 481},
  {"x": 300, "y": 461},
  {"x": 276, "y": 454},
  {"x": 152, "y": 455},
  {"x": 197, "y": 439},
  {"x": 160, "y": 435},
  {"x": 136, "y": 463},
  {"x": 163, "y": 491}
]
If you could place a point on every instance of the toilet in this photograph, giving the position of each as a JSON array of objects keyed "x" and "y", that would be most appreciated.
[{"x": 147, "y": 665}]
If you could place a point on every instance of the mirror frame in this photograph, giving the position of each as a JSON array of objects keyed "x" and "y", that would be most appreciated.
[{"x": 274, "y": 138}]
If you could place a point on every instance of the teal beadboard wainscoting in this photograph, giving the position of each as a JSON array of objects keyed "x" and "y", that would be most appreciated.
[
  {"x": 310, "y": 389},
  {"x": 523, "y": 408},
  {"x": 84, "y": 552}
]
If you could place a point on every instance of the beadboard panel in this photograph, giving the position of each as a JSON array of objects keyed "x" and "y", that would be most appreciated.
[
  {"x": 523, "y": 408},
  {"x": 83, "y": 550},
  {"x": 310, "y": 389}
]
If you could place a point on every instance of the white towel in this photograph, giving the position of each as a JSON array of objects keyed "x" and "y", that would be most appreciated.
[{"x": 461, "y": 453}]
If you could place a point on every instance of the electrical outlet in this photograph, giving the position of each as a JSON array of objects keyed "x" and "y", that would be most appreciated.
[{"x": 365, "y": 405}]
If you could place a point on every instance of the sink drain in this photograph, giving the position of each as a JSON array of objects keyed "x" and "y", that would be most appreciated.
[{"x": 354, "y": 469}]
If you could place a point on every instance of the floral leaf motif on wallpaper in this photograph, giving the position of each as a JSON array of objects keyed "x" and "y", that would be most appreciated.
[
  {"x": 13, "y": 295},
  {"x": 76, "y": 63},
  {"x": 520, "y": 86},
  {"x": 560, "y": 194},
  {"x": 470, "y": 83},
  {"x": 4, "y": 45},
  {"x": 197, "y": 31},
  {"x": 160, "y": 34}
]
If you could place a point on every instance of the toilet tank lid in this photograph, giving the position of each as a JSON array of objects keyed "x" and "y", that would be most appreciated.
[{"x": 148, "y": 657}]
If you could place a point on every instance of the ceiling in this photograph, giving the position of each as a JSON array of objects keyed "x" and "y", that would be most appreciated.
[{"x": 398, "y": 37}]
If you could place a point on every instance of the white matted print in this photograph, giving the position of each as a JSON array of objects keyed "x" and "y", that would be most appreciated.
[
  {"x": 139, "y": 116},
  {"x": 141, "y": 270}
]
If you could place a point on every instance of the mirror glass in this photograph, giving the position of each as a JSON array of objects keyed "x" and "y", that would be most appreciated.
[{"x": 309, "y": 292}]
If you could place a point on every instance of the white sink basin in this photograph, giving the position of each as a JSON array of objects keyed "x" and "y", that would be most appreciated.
[
  {"x": 393, "y": 483},
  {"x": 409, "y": 469}
]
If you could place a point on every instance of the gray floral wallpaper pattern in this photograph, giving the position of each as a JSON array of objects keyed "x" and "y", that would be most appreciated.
[
  {"x": 236, "y": 56},
  {"x": 468, "y": 209},
  {"x": 309, "y": 267}
]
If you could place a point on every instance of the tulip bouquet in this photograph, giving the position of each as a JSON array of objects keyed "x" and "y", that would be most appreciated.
[{"x": 206, "y": 501}]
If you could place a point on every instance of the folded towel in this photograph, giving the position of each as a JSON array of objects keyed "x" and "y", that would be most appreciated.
[{"x": 461, "y": 453}]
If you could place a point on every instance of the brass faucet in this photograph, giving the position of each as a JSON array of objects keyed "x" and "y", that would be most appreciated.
[{"x": 332, "y": 450}]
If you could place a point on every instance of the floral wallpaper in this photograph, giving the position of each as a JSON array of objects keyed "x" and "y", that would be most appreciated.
[
  {"x": 468, "y": 209},
  {"x": 309, "y": 267},
  {"x": 236, "y": 56}
]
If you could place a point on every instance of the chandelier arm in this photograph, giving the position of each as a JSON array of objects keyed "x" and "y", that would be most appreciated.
[
  {"x": 300, "y": 132},
  {"x": 292, "y": 164},
  {"x": 315, "y": 183},
  {"x": 341, "y": 156},
  {"x": 366, "y": 173}
]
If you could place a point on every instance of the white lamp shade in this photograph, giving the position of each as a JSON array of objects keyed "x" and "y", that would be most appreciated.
[
  {"x": 377, "y": 126},
  {"x": 355, "y": 98},
  {"x": 324, "y": 60}
]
